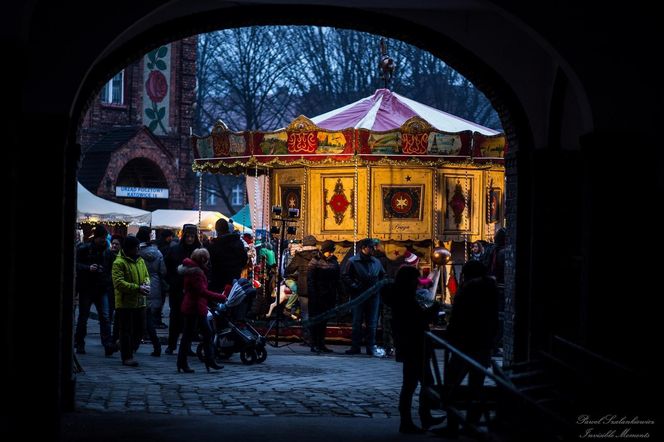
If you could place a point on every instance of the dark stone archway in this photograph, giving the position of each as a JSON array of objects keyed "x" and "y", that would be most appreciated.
[{"x": 63, "y": 53}]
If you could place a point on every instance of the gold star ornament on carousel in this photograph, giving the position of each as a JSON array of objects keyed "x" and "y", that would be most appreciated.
[{"x": 440, "y": 256}]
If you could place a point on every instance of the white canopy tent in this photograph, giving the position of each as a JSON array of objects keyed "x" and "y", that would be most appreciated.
[
  {"x": 93, "y": 209},
  {"x": 175, "y": 219}
]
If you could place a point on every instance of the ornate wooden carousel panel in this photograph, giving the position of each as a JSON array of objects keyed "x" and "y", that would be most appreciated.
[
  {"x": 291, "y": 198},
  {"x": 401, "y": 203},
  {"x": 333, "y": 205},
  {"x": 461, "y": 202}
]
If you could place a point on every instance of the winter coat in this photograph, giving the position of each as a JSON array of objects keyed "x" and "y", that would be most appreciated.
[
  {"x": 173, "y": 258},
  {"x": 473, "y": 323},
  {"x": 128, "y": 274},
  {"x": 91, "y": 282},
  {"x": 361, "y": 273},
  {"x": 109, "y": 259},
  {"x": 154, "y": 261},
  {"x": 409, "y": 323},
  {"x": 228, "y": 258},
  {"x": 298, "y": 265},
  {"x": 196, "y": 293},
  {"x": 323, "y": 282}
]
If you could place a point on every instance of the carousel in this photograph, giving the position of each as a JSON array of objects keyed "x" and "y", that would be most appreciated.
[
  {"x": 418, "y": 180},
  {"x": 384, "y": 167}
]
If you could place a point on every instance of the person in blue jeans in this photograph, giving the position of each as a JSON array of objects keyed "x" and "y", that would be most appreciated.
[
  {"x": 362, "y": 272},
  {"x": 92, "y": 286}
]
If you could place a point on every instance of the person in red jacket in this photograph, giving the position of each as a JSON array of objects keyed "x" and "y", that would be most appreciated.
[{"x": 195, "y": 306}]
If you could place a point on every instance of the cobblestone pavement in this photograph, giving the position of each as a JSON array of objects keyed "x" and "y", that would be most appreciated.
[
  {"x": 292, "y": 381},
  {"x": 343, "y": 397}
]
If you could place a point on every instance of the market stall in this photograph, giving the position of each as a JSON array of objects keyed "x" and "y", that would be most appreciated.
[
  {"x": 92, "y": 210},
  {"x": 205, "y": 220}
]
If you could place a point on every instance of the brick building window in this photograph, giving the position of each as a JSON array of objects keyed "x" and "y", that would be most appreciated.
[
  {"x": 211, "y": 199},
  {"x": 237, "y": 197},
  {"x": 113, "y": 91}
]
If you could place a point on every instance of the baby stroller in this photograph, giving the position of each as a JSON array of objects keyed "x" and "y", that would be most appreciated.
[{"x": 231, "y": 331}]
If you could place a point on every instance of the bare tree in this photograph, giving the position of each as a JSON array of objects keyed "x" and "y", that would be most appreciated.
[
  {"x": 260, "y": 78},
  {"x": 245, "y": 77}
]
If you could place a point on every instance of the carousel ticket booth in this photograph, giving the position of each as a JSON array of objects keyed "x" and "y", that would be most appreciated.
[{"x": 382, "y": 173}]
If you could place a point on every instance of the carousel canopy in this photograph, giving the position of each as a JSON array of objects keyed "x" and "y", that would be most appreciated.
[
  {"x": 93, "y": 209},
  {"x": 387, "y": 110},
  {"x": 383, "y": 126},
  {"x": 175, "y": 219}
]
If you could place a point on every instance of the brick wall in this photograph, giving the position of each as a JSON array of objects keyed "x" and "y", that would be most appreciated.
[{"x": 175, "y": 162}]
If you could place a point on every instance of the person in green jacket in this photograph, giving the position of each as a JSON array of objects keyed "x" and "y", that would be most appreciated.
[{"x": 131, "y": 282}]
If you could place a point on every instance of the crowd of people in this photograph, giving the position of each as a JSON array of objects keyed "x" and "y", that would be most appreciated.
[{"x": 129, "y": 278}]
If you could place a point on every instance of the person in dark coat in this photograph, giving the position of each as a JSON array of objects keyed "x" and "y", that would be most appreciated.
[
  {"x": 362, "y": 272},
  {"x": 92, "y": 285},
  {"x": 496, "y": 269},
  {"x": 228, "y": 256},
  {"x": 473, "y": 328},
  {"x": 164, "y": 242},
  {"x": 174, "y": 257},
  {"x": 409, "y": 323},
  {"x": 154, "y": 261},
  {"x": 297, "y": 269},
  {"x": 195, "y": 307},
  {"x": 323, "y": 286}
]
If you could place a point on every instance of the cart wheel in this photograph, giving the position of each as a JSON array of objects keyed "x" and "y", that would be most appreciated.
[
  {"x": 199, "y": 352},
  {"x": 248, "y": 357},
  {"x": 261, "y": 355}
]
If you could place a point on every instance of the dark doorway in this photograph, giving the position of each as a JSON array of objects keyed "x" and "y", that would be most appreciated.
[{"x": 141, "y": 172}]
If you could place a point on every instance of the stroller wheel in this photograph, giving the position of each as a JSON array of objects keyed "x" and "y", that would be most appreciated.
[
  {"x": 261, "y": 355},
  {"x": 248, "y": 357},
  {"x": 199, "y": 352},
  {"x": 224, "y": 354}
]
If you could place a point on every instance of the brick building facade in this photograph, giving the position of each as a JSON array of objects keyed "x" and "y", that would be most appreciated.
[{"x": 136, "y": 131}]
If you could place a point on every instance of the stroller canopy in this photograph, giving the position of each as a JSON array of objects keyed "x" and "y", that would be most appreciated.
[{"x": 240, "y": 290}]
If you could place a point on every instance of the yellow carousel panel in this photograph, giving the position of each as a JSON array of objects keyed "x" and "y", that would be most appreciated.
[
  {"x": 335, "y": 208},
  {"x": 287, "y": 191},
  {"x": 462, "y": 203},
  {"x": 401, "y": 203}
]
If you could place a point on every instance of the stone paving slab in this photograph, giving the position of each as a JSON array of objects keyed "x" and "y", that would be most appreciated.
[
  {"x": 296, "y": 395},
  {"x": 292, "y": 381}
]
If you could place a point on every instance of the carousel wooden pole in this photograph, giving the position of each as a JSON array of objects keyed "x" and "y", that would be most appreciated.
[
  {"x": 200, "y": 202},
  {"x": 355, "y": 196}
]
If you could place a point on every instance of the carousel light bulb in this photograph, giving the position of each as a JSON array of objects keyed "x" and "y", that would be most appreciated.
[{"x": 440, "y": 256}]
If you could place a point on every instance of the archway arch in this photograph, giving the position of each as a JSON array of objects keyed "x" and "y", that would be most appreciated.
[
  {"x": 514, "y": 118},
  {"x": 518, "y": 99}
]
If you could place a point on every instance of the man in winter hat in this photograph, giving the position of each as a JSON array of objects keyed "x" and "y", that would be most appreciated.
[
  {"x": 228, "y": 256},
  {"x": 92, "y": 287}
]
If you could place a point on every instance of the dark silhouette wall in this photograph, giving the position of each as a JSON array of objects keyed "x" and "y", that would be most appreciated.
[{"x": 577, "y": 96}]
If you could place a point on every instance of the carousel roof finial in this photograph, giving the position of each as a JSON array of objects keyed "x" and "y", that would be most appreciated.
[{"x": 386, "y": 64}]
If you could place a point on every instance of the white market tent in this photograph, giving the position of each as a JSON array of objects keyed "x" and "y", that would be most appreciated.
[
  {"x": 175, "y": 219},
  {"x": 93, "y": 209}
]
